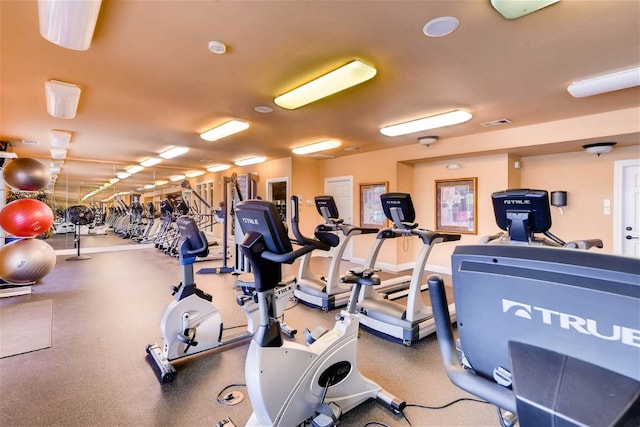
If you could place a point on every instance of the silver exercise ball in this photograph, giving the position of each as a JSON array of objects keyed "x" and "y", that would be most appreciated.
[
  {"x": 25, "y": 174},
  {"x": 26, "y": 260}
]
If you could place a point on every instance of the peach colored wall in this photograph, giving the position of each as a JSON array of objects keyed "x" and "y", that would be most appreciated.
[
  {"x": 588, "y": 181},
  {"x": 305, "y": 182}
]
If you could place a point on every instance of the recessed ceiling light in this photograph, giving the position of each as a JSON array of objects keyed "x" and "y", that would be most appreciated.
[
  {"x": 217, "y": 47},
  {"x": 123, "y": 175},
  {"x": 263, "y": 109},
  {"x": 440, "y": 27},
  {"x": 176, "y": 178},
  {"x": 193, "y": 174},
  {"x": 221, "y": 131},
  {"x": 431, "y": 122}
]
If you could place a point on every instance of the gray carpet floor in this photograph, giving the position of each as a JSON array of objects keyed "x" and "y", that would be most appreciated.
[{"x": 108, "y": 308}]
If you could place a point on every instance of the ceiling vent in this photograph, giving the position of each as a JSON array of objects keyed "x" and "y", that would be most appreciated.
[{"x": 499, "y": 122}]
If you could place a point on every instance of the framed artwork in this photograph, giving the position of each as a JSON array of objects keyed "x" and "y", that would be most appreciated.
[
  {"x": 371, "y": 213},
  {"x": 456, "y": 206}
]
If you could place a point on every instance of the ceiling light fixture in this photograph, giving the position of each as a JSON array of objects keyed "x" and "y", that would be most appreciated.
[
  {"x": 512, "y": 9},
  {"x": 134, "y": 169},
  {"x": 441, "y": 120},
  {"x": 59, "y": 138},
  {"x": 173, "y": 152},
  {"x": 161, "y": 182},
  {"x": 149, "y": 186},
  {"x": 62, "y": 99},
  {"x": 58, "y": 153},
  {"x": 605, "y": 83},
  {"x": 113, "y": 180},
  {"x": 217, "y": 47},
  {"x": 224, "y": 130},
  {"x": 317, "y": 146},
  {"x": 599, "y": 147},
  {"x": 176, "y": 178},
  {"x": 150, "y": 162},
  {"x": 427, "y": 140},
  {"x": 123, "y": 175},
  {"x": 193, "y": 174},
  {"x": 351, "y": 74},
  {"x": 250, "y": 161},
  {"x": 218, "y": 168},
  {"x": 67, "y": 23},
  {"x": 441, "y": 26}
]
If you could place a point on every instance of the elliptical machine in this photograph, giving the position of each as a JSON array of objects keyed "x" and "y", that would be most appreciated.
[
  {"x": 410, "y": 322},
  {"x": 328, "y": 293},
  {"x": 191, "y": 324},
  {"x": 288, "y": 383}
]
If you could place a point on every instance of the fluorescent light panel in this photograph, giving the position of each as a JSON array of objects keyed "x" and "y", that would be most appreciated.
[
  {"x": 317, "y": 146},
  {"x": 250, "y": 161},
  {"x": 351, "y": 74},
  {"x": 176, "y": 178},
  {"x": 150, "y": 162},
  {"x": 134, "y": 169},
  {"x": 193, "y": 174},
  {"x": 513, "y": 9},
  {"x": 58, "y": 153},
  {"x": 224, "y": 130},
  {"x": 173, "y": 152},
  {"x": 605, "y": 83},
  {"x": 218, "y": 168},
  {"x": 68, "y": 24},
  {"x": 59, "y": 138},
  {"x": 62, "y": 99},
  {"x": 161, "y": 182},
  {"x": 432, "y": 122},
  {"x": 123, "y": 175}
]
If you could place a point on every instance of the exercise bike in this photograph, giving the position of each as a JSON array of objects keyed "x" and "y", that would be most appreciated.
[
  {"x": 288, "y": 383},
  {"x": 191, "y": 324}
]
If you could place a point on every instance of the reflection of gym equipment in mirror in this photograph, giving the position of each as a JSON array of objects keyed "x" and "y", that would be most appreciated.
[
  {"x": 79, "y": 215},
  {"x": 236, "y": 189}
]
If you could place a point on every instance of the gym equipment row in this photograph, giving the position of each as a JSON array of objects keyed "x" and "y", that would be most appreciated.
[{"x": 527, "y": 309}]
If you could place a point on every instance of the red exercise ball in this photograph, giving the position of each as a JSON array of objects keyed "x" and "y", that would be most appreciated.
[
  {"x": 26, "y": 260},
  {"x": 26, "y": 218},
  {"x": 25, "y": 174}
]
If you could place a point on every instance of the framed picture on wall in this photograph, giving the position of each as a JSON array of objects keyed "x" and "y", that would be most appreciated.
[
  {"x": 456, "y": 207},
  {"x": 371, "y": 213}
]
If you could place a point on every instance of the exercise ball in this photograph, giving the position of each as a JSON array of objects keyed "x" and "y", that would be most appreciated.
[
  {"x": 26, "y": 260},
  {"x": 26, "y": 218},
  {"x": 25, "y": 174}
]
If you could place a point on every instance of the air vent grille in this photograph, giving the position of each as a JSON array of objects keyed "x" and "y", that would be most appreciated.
[{"x": 499, "y": 122}]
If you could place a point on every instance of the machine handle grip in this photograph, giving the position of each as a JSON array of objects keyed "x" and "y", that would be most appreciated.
[{"x": 466, "y": 379}]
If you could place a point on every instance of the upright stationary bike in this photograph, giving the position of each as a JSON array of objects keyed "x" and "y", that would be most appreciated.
[
  {"x": 191, "y": 324},
  {"x": 291, "y": 384}
]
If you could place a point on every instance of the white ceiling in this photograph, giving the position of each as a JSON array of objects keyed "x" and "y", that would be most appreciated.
[{"x": 149, "y": 82}]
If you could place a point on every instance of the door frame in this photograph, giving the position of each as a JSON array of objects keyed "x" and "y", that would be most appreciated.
[{"x": 619, "y": 201}]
